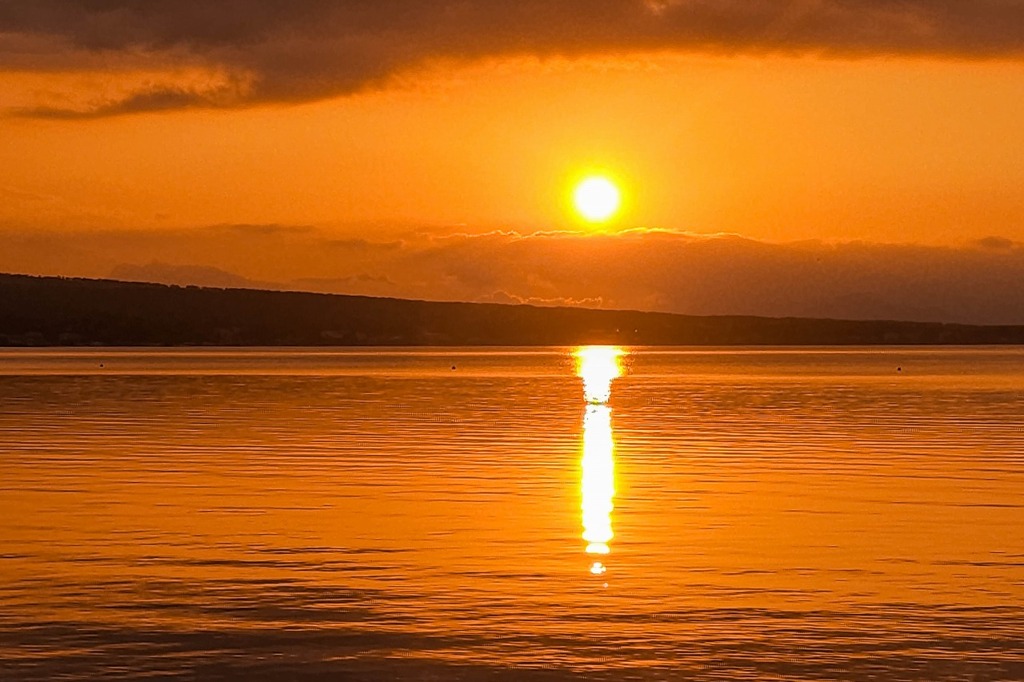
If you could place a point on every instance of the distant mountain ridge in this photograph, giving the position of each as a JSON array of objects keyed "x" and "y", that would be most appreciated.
[
  {"x": 157, "y": 272},
  {"x": 54, "y": 311}
]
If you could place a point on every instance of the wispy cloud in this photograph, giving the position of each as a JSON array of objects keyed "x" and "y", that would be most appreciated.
[
  {"x": 997, "y": 244},
  {"x": 162, "y": 99}
]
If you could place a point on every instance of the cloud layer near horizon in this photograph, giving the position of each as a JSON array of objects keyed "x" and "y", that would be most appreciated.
[
  {"x": 648, "y": 270},
  {"x": 258, "y": 51}
]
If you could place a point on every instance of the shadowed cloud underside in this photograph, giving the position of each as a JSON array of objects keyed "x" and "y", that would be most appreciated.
[{"x": 260, "y": 51}]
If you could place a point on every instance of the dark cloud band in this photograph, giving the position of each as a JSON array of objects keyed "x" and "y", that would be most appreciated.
[{"x": 301, "y": 50}]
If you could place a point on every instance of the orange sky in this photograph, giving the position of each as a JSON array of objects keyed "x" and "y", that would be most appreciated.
[
  {"x": 888, "y": 128},
  {"x": 772, "y": 148}
]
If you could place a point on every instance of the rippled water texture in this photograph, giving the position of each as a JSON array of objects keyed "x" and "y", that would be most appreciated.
[{"x": 728, "y": 514}]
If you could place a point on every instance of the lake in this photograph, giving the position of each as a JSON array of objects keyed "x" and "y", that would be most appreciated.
[{"x": 468, "y": 514}]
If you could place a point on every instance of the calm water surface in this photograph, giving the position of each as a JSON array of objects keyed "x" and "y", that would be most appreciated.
[{"x": 728, "y": 515}]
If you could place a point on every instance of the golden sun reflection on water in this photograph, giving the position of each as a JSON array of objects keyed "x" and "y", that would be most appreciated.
[
  {"x": 598, "y": 482},
  {"x": 598, "y": 366}
]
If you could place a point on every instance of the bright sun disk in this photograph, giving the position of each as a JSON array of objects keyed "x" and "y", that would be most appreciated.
[{"x": 597, "y": 199}]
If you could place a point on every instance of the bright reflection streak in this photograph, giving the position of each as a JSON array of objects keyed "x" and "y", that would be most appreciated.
[
  {"x": 598, "y": 366},
  {"x": 598, "y": 485}
]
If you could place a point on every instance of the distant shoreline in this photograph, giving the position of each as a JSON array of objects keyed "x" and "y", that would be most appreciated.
[{"x": 55, "y": 312}]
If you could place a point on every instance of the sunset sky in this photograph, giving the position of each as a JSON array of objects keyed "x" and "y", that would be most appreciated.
[{"x": 841, "y": 158}]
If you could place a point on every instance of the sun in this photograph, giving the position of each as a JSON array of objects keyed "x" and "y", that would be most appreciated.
[{"x": 597, "y": 199}]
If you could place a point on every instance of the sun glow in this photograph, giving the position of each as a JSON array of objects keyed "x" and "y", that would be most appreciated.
[{"x": 597, "y": 199}]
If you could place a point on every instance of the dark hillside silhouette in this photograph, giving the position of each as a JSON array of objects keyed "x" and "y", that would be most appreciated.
[{"x": 50, "y": 311}]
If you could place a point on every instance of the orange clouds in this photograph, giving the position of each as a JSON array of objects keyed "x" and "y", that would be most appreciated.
[{"x": 647, "y": 270}]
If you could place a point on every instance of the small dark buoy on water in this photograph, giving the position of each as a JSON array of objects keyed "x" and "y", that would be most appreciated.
[
  {"x": 101, "y": 365},
  {"x": 453, "y": 367},
  {"x": 899, "y": 369}
]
